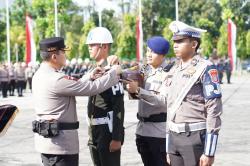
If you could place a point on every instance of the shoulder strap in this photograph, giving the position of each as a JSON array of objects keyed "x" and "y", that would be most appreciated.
[{"x": 185, "y": 89}]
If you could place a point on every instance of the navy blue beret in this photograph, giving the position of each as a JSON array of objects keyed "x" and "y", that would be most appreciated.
[{"x": 158, "y": 45}]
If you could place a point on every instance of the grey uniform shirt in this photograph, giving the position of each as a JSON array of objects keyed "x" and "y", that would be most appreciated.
[
  {"x": 20, "y": 73},
  {"x": 4, "y": 75},
  {"x": 153, "y": 79},
  {"x": 54, "y": 97}
]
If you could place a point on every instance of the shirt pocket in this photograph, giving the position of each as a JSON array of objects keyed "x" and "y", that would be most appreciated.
[{"x": 196, "y": 93}]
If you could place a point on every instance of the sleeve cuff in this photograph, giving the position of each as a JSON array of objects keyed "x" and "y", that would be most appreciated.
[{"x": 210, "y": 144}]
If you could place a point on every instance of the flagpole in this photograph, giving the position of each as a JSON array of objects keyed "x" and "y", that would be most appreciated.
[
  {"x": 16, "y": 48},
  {"x": 176, "y": 10},
  {"x": 8, "y": 30},
  {"x": 100, "y": 17},
  {"x": 56, "y": 19},
  {"x": 141, "y": 32}
]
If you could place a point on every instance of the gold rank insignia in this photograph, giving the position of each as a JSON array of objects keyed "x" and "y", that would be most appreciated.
[
  {"x": 51, "y": 49},
  {"x": 191, "y": 71}
]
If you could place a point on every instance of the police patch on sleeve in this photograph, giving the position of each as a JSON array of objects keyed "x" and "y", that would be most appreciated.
[{"x": 211, "y": 86}]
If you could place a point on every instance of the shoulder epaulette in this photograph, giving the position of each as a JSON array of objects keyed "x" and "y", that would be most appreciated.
[{"x": 168, "y": 67}]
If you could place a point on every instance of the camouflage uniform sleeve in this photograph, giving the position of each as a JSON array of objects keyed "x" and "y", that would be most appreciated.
[
  {"x": 118, "y": 112},
  {"x": 69, "y": 86}
]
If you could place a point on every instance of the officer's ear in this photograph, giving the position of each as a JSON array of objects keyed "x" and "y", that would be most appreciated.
[
  {"x": 106, "y": 46},
  {"x": 194, "y": 43},
  {"x": 53, "y": 56}
]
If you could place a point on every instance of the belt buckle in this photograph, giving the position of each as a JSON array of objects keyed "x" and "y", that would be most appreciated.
[
  {"x": 176, "y": 128},
  {"x": 187, "y": 129}
]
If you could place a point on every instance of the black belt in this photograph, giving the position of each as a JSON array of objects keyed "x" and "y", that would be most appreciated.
[
  {"x": 50, "y": 129},
  {"x": 68, "y": 126},
  {"x": 162, "y": 117},
  {"x": 59, "y": 125}
]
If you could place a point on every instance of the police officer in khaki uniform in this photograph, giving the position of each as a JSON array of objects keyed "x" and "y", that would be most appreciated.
[
  {"x": 12, "y": 83},
  {"x": 20, "y": 78},
  {"x": 56, "y": 124},
  {"x": 106, "y": 109},
  {"x": 4, "y": 79},
  {"x": 194, "y": 102},
  {"x": 151, "y": 128}
]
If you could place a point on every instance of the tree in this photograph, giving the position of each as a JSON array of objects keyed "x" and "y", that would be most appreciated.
[
  {"x": 248, "y": 44},
  {"x": 222, "y": 41},
  {"x": 154, "y": 15},
  {"x": 233, "y": 9},
  {"x": 43, "y": 12},
  {"x": 206, "y": 44},
  {"x": 126, "y": 41},
  {"x": 3, "y": 50},
  {"x": 167, "y": 33},
  {"x": 72, "y": 43},
  {"x": 18, "y": 42},
  {"x": 207, "y": 41},
  {"x": 83, "y": 48}
]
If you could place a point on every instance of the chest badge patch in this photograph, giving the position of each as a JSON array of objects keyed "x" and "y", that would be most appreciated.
[{"x": 191, "y": 71}]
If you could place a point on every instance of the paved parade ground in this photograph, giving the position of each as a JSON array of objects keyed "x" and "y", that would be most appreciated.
[{"x": 17, "y": 146}]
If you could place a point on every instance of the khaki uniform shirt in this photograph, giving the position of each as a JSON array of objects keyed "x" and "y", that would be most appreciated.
[
  {"x": 203, "y": 101},
  {"x": 20, "y": 74},
  {"x": 153, "y": 79},
  {"x": 54, "y": 97},
  {"x": 12, "y": 73}
]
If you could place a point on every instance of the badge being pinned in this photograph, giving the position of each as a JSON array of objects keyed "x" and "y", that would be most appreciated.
[{"x": 213, "y": 73}]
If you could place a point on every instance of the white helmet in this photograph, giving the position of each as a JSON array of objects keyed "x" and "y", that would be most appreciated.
[
  {"x": 30, "y": 64},
  {"x": 87, "y": 60},
  {"x": 23, "y": 64},
  {"x": 99, "y": 35},
  {"x": 73, "y": 61},
  {"x": 67, "y": 62},
  {"x": 79, "y": 61}
]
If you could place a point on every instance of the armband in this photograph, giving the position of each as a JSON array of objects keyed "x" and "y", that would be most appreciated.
[{"x": 210, "y": 144}]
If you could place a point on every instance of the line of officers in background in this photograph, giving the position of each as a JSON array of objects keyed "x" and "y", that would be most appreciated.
[
  {"x": 15, "y": 76},
  {"x": 19, "y": 75}
]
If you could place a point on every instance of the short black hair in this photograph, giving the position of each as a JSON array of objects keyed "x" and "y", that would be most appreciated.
[
  {"x": 198, "y": 41},
  {"x": 45, "y": 55}
]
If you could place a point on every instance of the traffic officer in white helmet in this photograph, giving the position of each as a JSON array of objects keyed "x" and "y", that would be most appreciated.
[{"x": 105, "y": 110}]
